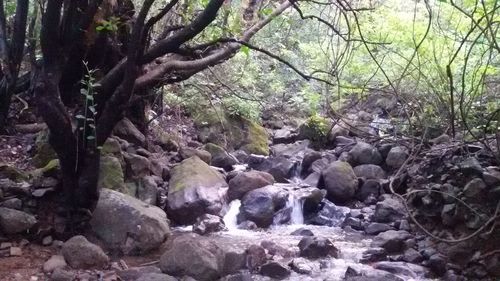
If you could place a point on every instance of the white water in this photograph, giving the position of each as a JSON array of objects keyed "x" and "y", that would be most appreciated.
[
  {"x": 297, "y": 216},
  {"x": 231, "y": 217}
]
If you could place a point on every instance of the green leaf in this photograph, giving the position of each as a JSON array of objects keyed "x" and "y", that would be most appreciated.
[{"x": 245, "y": 50}]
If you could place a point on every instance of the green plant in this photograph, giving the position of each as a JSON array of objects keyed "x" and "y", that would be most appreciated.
[{"x": 87, "y": 120}]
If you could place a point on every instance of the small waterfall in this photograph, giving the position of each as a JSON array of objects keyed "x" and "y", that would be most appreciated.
[
  {"x": 230, "y": 218},
  {"x": 297, "y": 216}
]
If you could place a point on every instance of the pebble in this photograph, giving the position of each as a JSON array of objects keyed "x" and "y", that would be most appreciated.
[
  {"x": 16, "y": 251},
  {"x": 47, "y": 240}
]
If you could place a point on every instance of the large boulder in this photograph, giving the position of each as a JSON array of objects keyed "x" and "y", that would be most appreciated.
[
  {"x": 188, "y": 152},
  {"x": 220, "y": 157},
  {"x": 247, "y": 181},
  {"x": 260, "y": 205},
  {"x": 126, "y": 130},
  {"x": 79, "y": 253},
  {"x": 389, "y": 210},
  {"x": 340, "y": 181},
  {"x": 195, "y": 189},
  {"x": 364, "y": 153},
  {"x": 194, "y": 256},
  {"x": 369, "y": 171},
  {"x": 111, "y": 175},
  {"x": 396, "y": 157},
  {"x": 127, "y": 224},
  {"x": 14, "y": 221},
  {"x": 137, "y": 166},
  {"x": 393, "y": 241},
  {"x": 232, "y": 131}
]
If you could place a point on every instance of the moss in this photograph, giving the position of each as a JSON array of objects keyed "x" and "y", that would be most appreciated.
[
  {"x": 12, "y": 173},
  {"x": 213, "y": 149},
  {"x": 315, "y": 129},
  {"x": 256, "y": 139},
  {"x": 111, "y": 175},
  {"x": 44, "y": 152},
  {"x": 193, "y": 172}
]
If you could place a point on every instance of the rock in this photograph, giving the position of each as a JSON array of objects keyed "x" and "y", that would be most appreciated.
[
  {"x": 302, "y": 232},
  {"x": 220, "y": 157},
  {"x": 248, "y": 225},
  {"x": 134, "y": 226},
  {"x": 303, "y": 266},
  {"x": 319, "y": 165},
  {"x": 280, "y": 167},
  {"x": 474, "y": 188},
  {"x": 13, "y": 203},
  {"x": 191, "y": 255},
  {"x": 284, "y": 135},
  {"x": 315, "y": 129},
  {"x": 55, "y": 262},
  {"x": 14, "y": 221},
  {"x": 309, "y": 159},
  {"x": 194, "y": 189},
  {"x": 188, "y": 152},
  {"x": 47, "y": 240},
  {"x": 353, "y": 223},
  {"x": 134, "y": 273},
  {"x": 364, "y": 153},
  {"x": 60, "y": 274},
  {"x": 167, "y": 142},
  {"x": 156, "y": 277},
  {"x": 259, "y": 205},
  {"x": 207, "y": 223},
  {"x": 293, "y": 151},
  {"x": 471, "y": 166},
  {"x": 81, "y": 254},
  {"x": 126, "y": 130},
  {"x": 275, "y": 270},
  {"x": 375, "y": 228},
  {"x": 369, "y": 171},
  {"x": 247, "y": 181},
  {"x": 111, "y": 175},
  {"x": 412, "y": 256},
  {"x": 340, "y": 182},
  {"x": 396, "y": 157},
  {"x": 44, "y": 151},
  {"x": 255, "y": 257},
  {"x": 147, "y": 190},
  {"x": 374, "y": 255},
  {"x": 444, "y": 138},
  {"x": 317, "y": 247},
  {"x": 313, "y": 179},
  {"x": 401, "y": 269},
  {"x": 329, "y": 214},
  {"x": 491, "y": 176},
  {"x": 389, "y": 210},
  {"x": 12, "y": 173},
  {"x": 339, "y": 130},
  {"x": 437, "y": 263},
  {"x": 137, "y": 166},
  {"x": 393, "y": 241},
  {"x": 369, "y": 188},
  {"x": 16, "y": 252}
]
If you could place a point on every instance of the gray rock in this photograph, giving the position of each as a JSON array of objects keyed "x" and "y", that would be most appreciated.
[
  {"x": 401, "y": 269},
  {"x": 207, "y": 223},
  {"x": 255, "y": 257},
  {"x": 396, "y": 157},
  {"x": 285, "y": 135},
  {"x": 369, "y": 188},
  {"x": 471, "y": 166},
  {"x": 13, "y": 203},
  {"x": 437, "y": 263},
  {"x": 194, "y": 189},
  {"x": 156, "y": 277},
  {"x": 147, "y": 190},
  {"x": 340, "y": 181},
  {"x": 369, "y": 171},
  {"x": 393, "y": 241},
  {"x": 474, "y": 188},
  {"x": 126, "y": 130},
  {"x": 389, "y": 210},
  {"x": 412, "y": 256},
  {"x": 81, "y": 254},
  {"x": 60, "y": 274},
  {"x": 55, "y": 262},
  {"x": 374, "y": 255},
  {"x": 14, "y": 221},
  {"x": 192, "y": 255},
  {"x": 302, "y": 232},
  {"x": 317, "y": 247},
  {"x": 260, "y": 205},
  {"x": 188, "y": 152},
  {"x": 491, "y": 176},
  {"x": 329, "y": 214},
  {"x": 310, "y": 158},
  {"x": 137, "y": 166},
  {"x": 134, "y": 226},
  {"x": 275, "y": 270},
  {"x": 220, "y": 157},
  {"x": 134, "y": 273},
  {"x": 364, "y": 153},
  {"x": 247, "y": 181},
  {"x": 375, "y": 228}
]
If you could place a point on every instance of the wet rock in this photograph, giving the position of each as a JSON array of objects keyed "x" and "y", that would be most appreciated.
[
  {"x": 248, "y": 225},
  {"x": 412, "y": 256},
  {"x": 13, "y": 203},
  {"x": 374, "y": 255},
  {"x": 274, "y": 249},
  {"x": 281, "y": 168},
  {"x": 340, "y": 181},
  {"x": 220, "y": 157},
  {"x": 134, "y": 226},
  {"x": 14, "y": 221},
  {"x": 302, "y": 232},
  {"x": 126, "y": 130},
  {"x": 313, "y": 179},
  {"x": 396, "y": 157},
  {"x": 309, "y": 159},
  {"x": 376, "y": 228},
  {"x": 275, "y": 270},
  {"x": 156, "y": 277},
  {"x": 329, "y": 214},
  {"x": 354, "y": 223},
  {"x": 303, "y": 266},
  {"x": 319, "y": 165},
  {"x": 393, "y": 241},
  {"x": 137, "y": 166},
  {"x": 247, "y": 181},
  {"x": 255, "y": 257},
  {"x": 437, "y": 263},
  {"x": 401, "y": 269},
  {"x": 55, "y": 262},
  {"x": 81, "y": 254},
  {"x": 260, "y": 205},
  {"x": 389, "y": 210},
  {"x": 188, "y": 152},
  {"x": 317, "y": 247},
  {"x": 364, "y": 153},
  {"x": 194, "y": 256},
  {"x": 194, "y": 189},
  {"x": 369, "y": 171},
  {"x": 207, "y": 223},
  {"x": 241, "y": 276}
]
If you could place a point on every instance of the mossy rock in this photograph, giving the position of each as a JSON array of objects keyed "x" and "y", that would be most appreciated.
[
  {"x": 315, "y": 129},
  {"x": 232, "y": 132},
  {"x": 44, "y": 151},
  {"x": 10, "y": 172},
  {"x": 111, "y": 175},
  {"x": 167, "y": 141}
]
